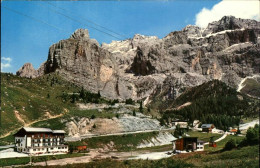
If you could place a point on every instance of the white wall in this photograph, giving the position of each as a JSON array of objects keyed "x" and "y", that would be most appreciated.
[
  {"x": 200, "y": 147},
  {"x": 44, "y": 150},
  {"x": 29, "y": 139}
]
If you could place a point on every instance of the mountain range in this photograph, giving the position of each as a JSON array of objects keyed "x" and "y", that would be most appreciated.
[{"x": 138, "y": 68}]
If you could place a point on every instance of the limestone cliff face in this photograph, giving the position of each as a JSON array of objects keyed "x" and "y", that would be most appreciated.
[{"x": 136, "y": 68}]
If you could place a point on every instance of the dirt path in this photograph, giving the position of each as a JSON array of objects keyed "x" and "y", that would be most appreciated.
[
  {"x": 18, "y": 116},
  {"x": 82, "y": 159},
  {"x": 30, "y": 123},
  {"x": 95, "y": 155},
  {"x": 91, "y": 156}
]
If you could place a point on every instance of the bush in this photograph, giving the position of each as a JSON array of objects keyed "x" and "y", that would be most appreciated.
[
  {"x": 231, "y": 144},
  {"x": 129, "y": 101},
  {"x": 93, "y": 116},
  {"x": 178, "y": 131},
  {"x": 252, "y": 137}
]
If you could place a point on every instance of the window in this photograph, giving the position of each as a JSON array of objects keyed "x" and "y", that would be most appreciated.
[
  {"x": 34, "y": 149},
  {"x": 58, "y": 147},
  {"x": 39, "y": 149}
]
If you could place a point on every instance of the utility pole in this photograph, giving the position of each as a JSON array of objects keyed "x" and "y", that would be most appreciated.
[
  {"x": 30, "y": 159},
  {"x": 0, "y": 115},
  {"x": 131, "y": 151}
]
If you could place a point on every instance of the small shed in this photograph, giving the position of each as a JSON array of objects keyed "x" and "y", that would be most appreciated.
[
  {"x": 212, "y": 143},
  {"x": 82, "y": 148},
  {"x": 207, "y": 127},
  {"x": 233, "y": 130},
  {"x": 186, "y": 144}
]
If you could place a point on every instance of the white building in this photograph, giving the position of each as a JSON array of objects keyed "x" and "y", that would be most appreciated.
[
  {"x": 40, "y": 140},
  {"x": 183, "y": 124},
  {"x": 200, "y": 145}
]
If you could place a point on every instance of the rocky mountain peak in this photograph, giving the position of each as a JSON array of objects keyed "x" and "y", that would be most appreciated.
[
  {"x": 230, "y": 23},
  {"x": 227, "y": 50},
  {"x": 27, "y": 70},
  {"x": 141, "y": 40},
  {"x": 80, "y": 34},
  {"x": 192, "y": 31}
]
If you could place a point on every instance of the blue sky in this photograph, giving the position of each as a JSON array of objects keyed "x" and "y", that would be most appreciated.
[{"x": 26, "y": 40}]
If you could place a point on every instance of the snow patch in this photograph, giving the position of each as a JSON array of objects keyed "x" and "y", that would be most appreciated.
[{"x": 214, "y": 34}]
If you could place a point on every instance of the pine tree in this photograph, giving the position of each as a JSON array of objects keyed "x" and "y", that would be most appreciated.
[
  {"x": 134, "y": 114},
  {"x": 141, "y": 106}
]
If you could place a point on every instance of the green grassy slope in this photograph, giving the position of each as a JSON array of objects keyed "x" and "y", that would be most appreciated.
[
  {"x": 126, "y": 142},
  {"x": 37, "y": 102},
  {"x": 29, "y": 98}
]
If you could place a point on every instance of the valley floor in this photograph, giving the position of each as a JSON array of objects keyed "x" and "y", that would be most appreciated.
[{"x": 243, "y": 157}]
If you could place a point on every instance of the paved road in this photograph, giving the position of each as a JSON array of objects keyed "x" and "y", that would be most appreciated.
[
  {"x": 6, "y": 146},
  {"x": 221, "y": 138}
]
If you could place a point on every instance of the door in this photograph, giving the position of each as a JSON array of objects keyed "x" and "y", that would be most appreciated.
[{"x": 194, "y": 146}]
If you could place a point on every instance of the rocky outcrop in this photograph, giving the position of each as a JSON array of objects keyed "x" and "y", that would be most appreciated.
[
  {"x": 163, "y": 138},
  {"x": 230, "y": 23},
  {"x": 137, "y": 68},
  {"x": 84, "y": 127},
  {"x": 28, "y": 71}
]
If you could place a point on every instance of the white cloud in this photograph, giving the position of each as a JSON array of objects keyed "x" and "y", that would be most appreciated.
[
  {"x": 240, "y": 9},
  {"x": 7, "y": 59},
  {"x": 5, "y": 62}
]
